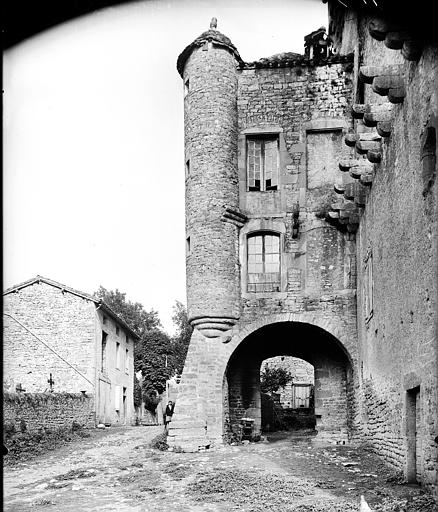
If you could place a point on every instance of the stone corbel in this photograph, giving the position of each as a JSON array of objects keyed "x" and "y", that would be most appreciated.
[
  {"x": 386, "y": 80},
  {"x": 344, "y": 216},
  {"x": 371, "y": 115},
  {"x": 367, "y": 143},
  {"x": 396, "y": 37},
  {"x": 214, "y": 327},
  {"x": 358, "y": 169},
  {"x": 234, "y": 216},
  {"x": 355, "y": 192}
]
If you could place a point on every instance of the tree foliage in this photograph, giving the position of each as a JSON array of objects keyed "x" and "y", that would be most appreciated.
[
  {"x": 137, "y": 392},
  {"x": 157, "y": 355},
  {"x": 153, "y": 357},
  {"x": 182, "y": 337},
  {"x": 133, "y": 313},
  {"x": 272, "y": 379}
]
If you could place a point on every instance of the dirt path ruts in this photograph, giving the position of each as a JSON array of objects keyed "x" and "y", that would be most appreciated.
[{"x": 117, "y": 470}]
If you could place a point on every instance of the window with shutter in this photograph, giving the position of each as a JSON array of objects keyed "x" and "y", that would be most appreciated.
[
  {"x": 262, "y": 163},
  {"x": 117, "y": 398}
]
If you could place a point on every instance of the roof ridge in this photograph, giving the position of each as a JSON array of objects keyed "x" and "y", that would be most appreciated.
[
  {"x": 69, "y": 289},
  {"x": 38, "y": 278}
]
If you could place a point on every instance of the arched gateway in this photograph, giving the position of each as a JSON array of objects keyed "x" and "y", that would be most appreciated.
[
  {"x": 221, "y": 379},
  {"x": 267, "y": 274},
  {"x": 333, "y": 375}
]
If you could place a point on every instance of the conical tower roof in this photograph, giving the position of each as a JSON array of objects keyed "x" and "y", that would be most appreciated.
[{"x": 211, "y": 35}]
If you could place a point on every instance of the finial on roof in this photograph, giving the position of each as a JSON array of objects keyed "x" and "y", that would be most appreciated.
[{"x": 213, "y": 23}]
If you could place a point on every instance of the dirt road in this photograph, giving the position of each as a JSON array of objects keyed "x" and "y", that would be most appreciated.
[{"x": 116, "y": 470}]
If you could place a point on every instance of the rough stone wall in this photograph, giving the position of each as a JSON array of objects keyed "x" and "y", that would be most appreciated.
[
  {"x": 307, "y": 107},
  {"x": 64, "y": 322},
  {"x": 398, "y": 345},
  {"x": 202, "y": 412},
  {"x": 211, "y": 183},
  {"x": 301, "y": 371},
  {"x": 33, "y": 412}
]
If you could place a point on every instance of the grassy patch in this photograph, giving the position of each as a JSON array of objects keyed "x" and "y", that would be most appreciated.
[
  {"x": 178, "y": 471},
  {"x": 261, "y": 491},
  {"x": 27, "y": 445},
  {"x": 76, "y": 473},
  {"x": 42, "y": 503},
  {"x": 419, "y": 503}
]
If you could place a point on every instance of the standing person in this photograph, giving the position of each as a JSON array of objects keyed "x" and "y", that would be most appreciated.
[{"x": 168, "y": 414}]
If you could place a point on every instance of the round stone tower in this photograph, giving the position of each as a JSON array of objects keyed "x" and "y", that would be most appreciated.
[{"x": 208, "y": 67}]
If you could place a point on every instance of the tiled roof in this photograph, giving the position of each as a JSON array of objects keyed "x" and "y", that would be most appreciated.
[{"x": 289, "y": 59}]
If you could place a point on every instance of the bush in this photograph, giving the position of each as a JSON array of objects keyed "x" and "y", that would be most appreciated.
[
  {"x": 151, "y": 401},
  {"x": 272, "y": 379},
  {"x": 159, "y": 442}
]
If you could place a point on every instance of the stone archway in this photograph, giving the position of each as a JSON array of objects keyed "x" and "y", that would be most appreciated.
[
  {"x": 202, "y": 403},
  {"x": 333, "y": 376}
]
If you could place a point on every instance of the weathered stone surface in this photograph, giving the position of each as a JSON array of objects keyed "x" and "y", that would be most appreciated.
[
  {"x": 384, "y": 128},
  {"x": 358, "y": 391},
  {"x": 386, "y": 84},
  {"x": 51, "y": 329},
  {"x": 368, "y": 73},
  {"x": 412, "y": 49},
  {"x": 34, "y": 412}
]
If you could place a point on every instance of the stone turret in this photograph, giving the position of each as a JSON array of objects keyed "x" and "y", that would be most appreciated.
[{"x": 208, "y": 67}]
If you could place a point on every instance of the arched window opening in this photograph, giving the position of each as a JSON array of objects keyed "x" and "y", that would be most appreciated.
[
  {"x": 428, "y": 159},
  {"x": 264, "y": 262}
]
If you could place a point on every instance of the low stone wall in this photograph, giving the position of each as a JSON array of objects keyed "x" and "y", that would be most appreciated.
[{"x": 46, "y": 412}]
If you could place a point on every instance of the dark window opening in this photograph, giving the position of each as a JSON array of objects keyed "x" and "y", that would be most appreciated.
[
  {"x": 125, "y": 404},
  {"x": 186, "y": 87},
  {"x": 262, "y": 163},
  {"x": 413, "y": 422},
  {"x": 428, "y": 160},
  {"x": 360, "y": 94},
  {"x": 188, "y": 246},
  {"x": 264, "y": 262},
  {"x": 187, "y": 168},
  {"x": 103, "y": 353},
  {"x": 118, "y": 355}
]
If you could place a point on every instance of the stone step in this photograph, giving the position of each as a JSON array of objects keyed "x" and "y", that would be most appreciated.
[
  {"x": 186, "y": 432},
  {"x": 177, "y": 440},
  {"x": 184, "y": 424}
]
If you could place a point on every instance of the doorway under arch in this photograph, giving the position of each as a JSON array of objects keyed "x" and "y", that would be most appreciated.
[{"x": 333, "y": 384}]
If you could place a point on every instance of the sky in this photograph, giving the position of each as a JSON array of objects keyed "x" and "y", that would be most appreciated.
[{"x": 93, "y": 141}]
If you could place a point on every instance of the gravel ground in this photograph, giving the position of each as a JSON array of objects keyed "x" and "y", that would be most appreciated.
[{"x": 117, "y": 470}]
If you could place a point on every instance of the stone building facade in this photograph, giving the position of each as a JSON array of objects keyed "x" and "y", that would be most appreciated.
[
  {"x": 55, "y": 333},
  {"x": 312, "y": 232}
]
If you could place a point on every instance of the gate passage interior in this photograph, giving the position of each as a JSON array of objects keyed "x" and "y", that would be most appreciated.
[{"x": 326, "y": 399}]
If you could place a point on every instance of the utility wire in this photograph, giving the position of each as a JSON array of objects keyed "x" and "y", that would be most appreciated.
[{"x": 46, "y": 345}]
